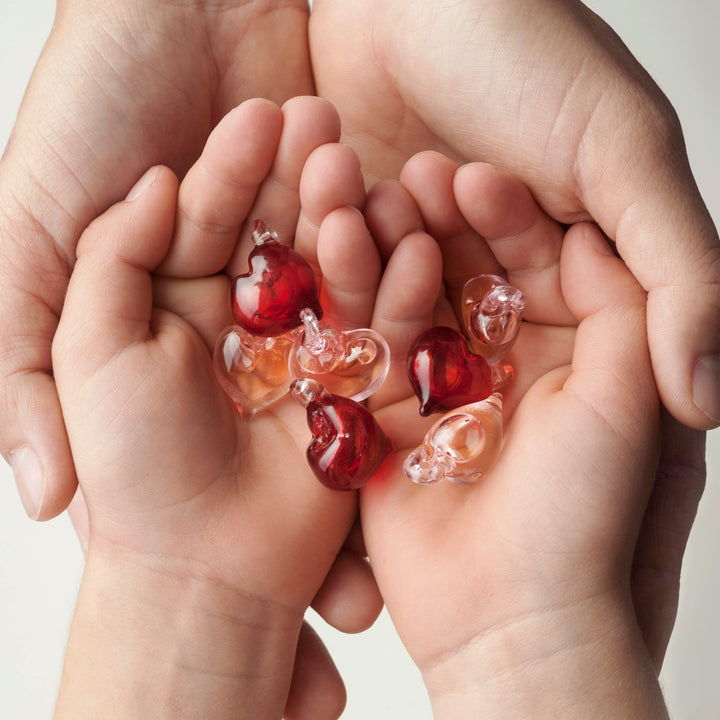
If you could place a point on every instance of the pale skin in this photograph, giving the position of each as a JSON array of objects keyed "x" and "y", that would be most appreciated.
[
  {"x": 516, "y": 596},
  {"x": 188, "y": 600},
  {"x": 178, "y": 589},
  {"x": 123, "y": 85}
]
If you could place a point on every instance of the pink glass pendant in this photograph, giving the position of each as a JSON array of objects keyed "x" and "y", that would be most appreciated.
[
  {"x": 461, "y": 446},
  {"x": 492, "y": 314},
  {"x": 267, "y": 300},
  {"x": 348, "y": 446},
  {"x": 444, "y": 373},
  {"x": 352, "y": 363},
  {"x": 252, "y": 370}
]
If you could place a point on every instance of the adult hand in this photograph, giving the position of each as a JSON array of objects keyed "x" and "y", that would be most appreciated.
[
  {"x": 119, "y": 87},
  {"x": 548, "y": 92}
]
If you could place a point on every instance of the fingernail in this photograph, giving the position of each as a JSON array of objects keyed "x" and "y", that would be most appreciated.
[
  {"x": 599, "y": 241},
  {"x": 30, "y": 478},
  {"x": 706, "y": 386},
  {"x": 142, "y": 184}
]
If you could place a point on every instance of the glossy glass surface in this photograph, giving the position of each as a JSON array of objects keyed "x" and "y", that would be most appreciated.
[
  {"x": 267, "y": 300},
  {"x": 445, "y": 374},
  {"x": 461, "y": 446},
  {"x": 348, "y": 446}
]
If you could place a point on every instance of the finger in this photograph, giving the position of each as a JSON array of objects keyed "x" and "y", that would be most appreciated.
[
  {"x": 350, "y": 267},
  {"x": 524, "y": 239},
  {"x": 33, "y": 280},
  {"x": 220, "y": 188},
  {"x": 610, "y": 307},
  {"x": 406, "y": 302},
  {"x": 391, "y": 213},
  {"x": 355, "y": 542},
  {"x": 308, "y": 123},
  {"x": 331, "y": 179},
  {"x": 664, "y": 533},
  {"x": 429, "y": 176},
  {"x": 34, "y": 440},
  {"x": 112, "y": 275},
  {"x": 349, "y": 598},
  {"x": 611, "y": 374},
  {"x": 317, "y": 691},
  {"x": 539, "y": 350}
]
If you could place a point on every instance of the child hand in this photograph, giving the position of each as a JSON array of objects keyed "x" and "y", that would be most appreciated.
[
  {"x": 209, "y": 534},
  {"x": 513, "y": 595}
]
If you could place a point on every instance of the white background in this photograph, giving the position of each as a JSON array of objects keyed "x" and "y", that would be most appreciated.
[{"x": 40, "y": 565}]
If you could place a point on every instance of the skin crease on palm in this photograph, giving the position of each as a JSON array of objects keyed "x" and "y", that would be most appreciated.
[{"x": 62, "y": 168}]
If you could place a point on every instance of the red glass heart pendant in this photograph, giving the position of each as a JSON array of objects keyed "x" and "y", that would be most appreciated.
[
  {"x": 353, "y": 363},
  {"x": 267, "y": 300},
  {"x": 348, "y": 445},
  {"x": 444, "y": 373}
]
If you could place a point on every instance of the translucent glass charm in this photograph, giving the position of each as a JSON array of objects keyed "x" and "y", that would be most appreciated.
[
  {"x": 444, "y": 373},
  {"x": 352, "y": 363},
  {"x": 492, "y": 314},
  {"x": 461, "y": 446},
  {"x": 348, "y": 446},
  {"x": 252, "y": 370},
  {"x": 267, "y": 300}
]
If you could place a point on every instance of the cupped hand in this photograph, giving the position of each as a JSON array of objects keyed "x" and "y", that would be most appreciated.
[
  {"x": 118, "y": 87},
  {"x": 528, "y": 568},
  {"x": 175, "y": 481},
  {"x": 548, "y": 92}
]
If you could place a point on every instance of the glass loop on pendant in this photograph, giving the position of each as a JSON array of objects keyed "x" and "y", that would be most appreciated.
[{"x": 353, "y": 363}]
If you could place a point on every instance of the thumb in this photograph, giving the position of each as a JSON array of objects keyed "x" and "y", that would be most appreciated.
[
  {"x": 109, "y": 303},
  {"x": 648, "y": 202}
]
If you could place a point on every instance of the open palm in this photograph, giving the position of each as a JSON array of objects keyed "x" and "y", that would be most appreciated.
[{"x": 554, "y": 525}]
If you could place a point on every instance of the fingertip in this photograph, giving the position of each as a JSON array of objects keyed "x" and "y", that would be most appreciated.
[
  {"x": 593, "y": 276},
  {"x": 685, "y": 364},
  {"x": 39, "y": 453},
  {"x": 349, "y": 599},
  {"x": 138, "y": 229},
  {"x": 706, "y": 390},
  {"x": 391, "y": 214},
  {"x": 322, "y": 111}
]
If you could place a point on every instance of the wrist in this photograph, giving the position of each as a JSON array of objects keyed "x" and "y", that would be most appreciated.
[
  {"x": 584, "y": 660},
  {"x": 150, "y": 642}
]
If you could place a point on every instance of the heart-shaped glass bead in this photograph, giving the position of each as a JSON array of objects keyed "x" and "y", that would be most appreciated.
[
  {"x": 252, "y": 370},
  {"x": 267, "y": 300},
  {"x": 353, "y": 363},
  {"x": 444, "y": 373},
  {"x": 348, "y": 446}
]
